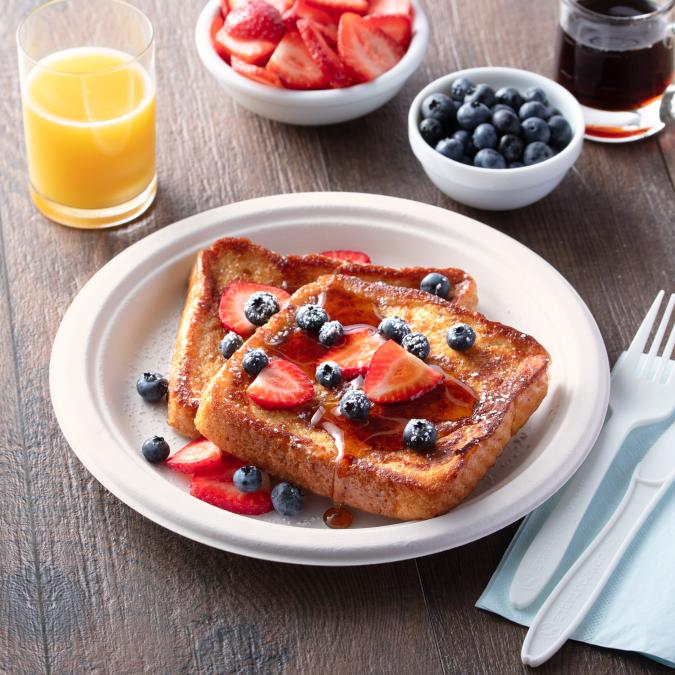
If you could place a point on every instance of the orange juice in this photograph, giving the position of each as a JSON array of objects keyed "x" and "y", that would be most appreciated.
[{"x": 89, "y": 118}]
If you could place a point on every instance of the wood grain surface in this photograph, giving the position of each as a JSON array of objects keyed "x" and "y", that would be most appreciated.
[{"x": 87, "y": 584}]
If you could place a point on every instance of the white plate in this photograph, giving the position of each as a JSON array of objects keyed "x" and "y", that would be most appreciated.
[{"x": 124, "y": 319}]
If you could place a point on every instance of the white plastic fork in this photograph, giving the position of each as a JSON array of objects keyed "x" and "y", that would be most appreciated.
[{"x": 641, "y": 393}]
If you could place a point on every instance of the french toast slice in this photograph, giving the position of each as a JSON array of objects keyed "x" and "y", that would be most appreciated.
[
  {"x": 366, "y": 464},
  {"x": 196, "y": 358}
]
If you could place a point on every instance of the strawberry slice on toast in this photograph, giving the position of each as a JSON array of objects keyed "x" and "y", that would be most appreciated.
[
  {"x": 350, "y": 256},
  {"x": 233, "y": 299},
  {"x": 281, "y": 385},
  {"x": 355, "y": 353}
]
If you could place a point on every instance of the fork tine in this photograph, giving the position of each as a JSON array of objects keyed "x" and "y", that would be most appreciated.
[
  {"x": 637, "y": 346},
  {"x": 660, "y": 331},
  {"x": 665, "y": 358}
]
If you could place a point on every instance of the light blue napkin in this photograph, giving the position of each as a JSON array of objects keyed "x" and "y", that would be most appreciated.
[{"x": 636, "y": 610}]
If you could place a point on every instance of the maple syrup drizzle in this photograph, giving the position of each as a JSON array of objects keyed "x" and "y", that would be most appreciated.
[{"x": 338, "y": 517}]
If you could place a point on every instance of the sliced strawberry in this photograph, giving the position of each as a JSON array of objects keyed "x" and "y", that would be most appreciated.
[
  {"x": 293, "y": 63},
  {"x": 233, "y": 299},
  {"x": 255, "y": 73},
  {"x": 354, "y": 354},
  {"x": 397, "y": 26},
  {"x": 460, "y": 393},
  {"x": 350, "y": 256},
  {"x": 396, "y": 375},
  {"x": 224, "y": 8},
  {"x": 280, "y": 385},
  {"x": 222, "y": 493},
  {"x": 216, "y": 25},
  {"x": 256, "y": 52},
  {"x": 255, "y": 20},
  {"x": 199, "y": 456},
  {"x": 339, "y": 6},
  {"x": 365, "y": 49},
  {"x": 323, "y": 54},
  {"x": 390, "y": 7},
  {"x": 325, "y": 23},
  {"x": 281, "y": 5}
]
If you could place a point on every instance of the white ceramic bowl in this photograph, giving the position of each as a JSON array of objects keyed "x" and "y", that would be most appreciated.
[
  {"x": 313, "y": 108},
  {"x": 498, "y": 189}
]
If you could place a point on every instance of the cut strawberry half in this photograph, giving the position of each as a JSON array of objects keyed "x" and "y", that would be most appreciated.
[
  {"x": 281, "y": 385},
  {"x": 397, "y": 26},
  {"x": 365, "y": 49},
  {"x": 460, "y": 393},
  {"x": 216, "y": 25},
  {"x": 325, "y": 23},
  {"x": 256, "y": 52},
  {"x": 293, "y": 63},
  {"x": 199, "y": 456},
  {"x": 339, "y": 6},
  {"x": 355, "y": 353},
  {"x": 221, "y": 492},
  {"x": 349, "y": 256},
  {"x": 255, "y": 20},
  {"x": 233, "y": 299},
  {"x": 255, "y": 73},
  {"x": 323, "y": 54},
  {"x": 390, "y": 7},
  {"x": 396, "y": 375}
]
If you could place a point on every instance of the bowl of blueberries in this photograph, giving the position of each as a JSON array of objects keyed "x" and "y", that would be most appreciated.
[{"x": 495, "y": 138}]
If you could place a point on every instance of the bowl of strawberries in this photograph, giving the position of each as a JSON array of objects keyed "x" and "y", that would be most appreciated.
[{"x": 312, "y": 62}]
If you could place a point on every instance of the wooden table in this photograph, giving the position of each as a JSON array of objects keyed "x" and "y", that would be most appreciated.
[{"x": 87, "y": 584}]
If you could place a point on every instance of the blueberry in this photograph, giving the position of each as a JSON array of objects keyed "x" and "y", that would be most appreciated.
[
  {"x": 489, "y": 159},
  {"x": 436, "y": 284},
  {"x": 561, "y": 131},
  {"x": 331, "y": 333},
  {"x": 459, "y": 88},
  {"x": 152, "y": 387},
  {"x": 464, "y": 137},
  {"x": 516, "y": 165},
  {"x": 451, "y": 148},
  {"x": 536, "y": 94},
  {"x": 460, "y": 337},
  {"x": 510, "y": 97},
  {"x": 485, "y": 136},
  {"x": 287, "y": 499},
  {"x": 535, "y": 129},
  {"x": 254, "y": 361},
  {"x": 537, "y": 152},
  {"x": 439, "y": 107},
  {"x": 311, "y": 317},
  {"x": 511, "y": 147},
  {"x": 229, "y": 344},
  {"x": 551, "y": 111},
  {"x": 247, "y": 479},
  {"x": 470, "y": 115},
  {"x": 420, "y": 434},
  {"x": 417, "y": 344},
  {"x": 501, "y": 106},
  {"x": 533, "y": 109},
  {"x": 506, "y": 121},
  {"x": 329, "y": 374},
  {"x": 260, "y": 308},
  {"x": 394, "y": 328},
  {"x": 355, "y": 405},
  {"x": 482, "y": 93},
  {"x": 431, "y": 131},
  {"x": 155, "y": 449}
]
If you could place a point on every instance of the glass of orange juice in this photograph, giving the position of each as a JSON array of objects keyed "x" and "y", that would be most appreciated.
[{"x": 87, "y": 72}]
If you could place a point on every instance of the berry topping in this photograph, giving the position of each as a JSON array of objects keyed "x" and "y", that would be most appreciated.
[
  {"x": 439, "y": 107},
  {"x": 561, "y": 131},
  {"x": 355, "y": 405},
  {"x": 323, "y": 54},
  {"x": 311, "y": 317},
  {"x": 511, "y": 147},
  {"x": 396, "y": 375},
  {"x": 261, "y": 307},
  {"x": 199, "y": 456},
  {"x": 506, "y": 121},
  {"x": 451, "y": 148},
  {"x": 533, "y": 109},
  {"x": 331, "y": 333},
  {"x": 155, "y": 449},
  {"x": 354, "y": 354},
  {"x": 220, "y": 491},
  {"x": 485, "y": 136},
  {"x": 329, "y": 374},
  {"x": 482, "y": 93},
  {"x": 436, "y": 284},
  {"x": 152, "y": 387},
  {"x": 281, "y": 385},
  {"x": 255, "y": 19},
  {"x": 460, "y": 337},
  {"x": 294, "y": 65},
  {"x": 394, "y": 328},
  {"x": 420, "y": 434},
  {"x": 510, "y": 97},
  {"x": 460, "y": 87},
  {"x": 248, "y": 478},
  {"x": 470, "y": 115},
  {"x": 537, "y": 152},
  {"x": 349, "y": 256},
  {"x": 229, "y": 344},
  {"x": 254, "y": 361},
  {"x": 431, "y": 131},
  {"x": 417, "y": 344},
  {"x": 287, "y": 499},
  {"x": 489, "y": 159},
  {"x": 233, "y": 300},
  {"x": 535, "y": 129}
]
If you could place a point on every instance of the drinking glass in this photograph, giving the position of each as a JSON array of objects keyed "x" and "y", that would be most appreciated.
[
  {"x": 87, "y": 73},
  {"x": 616, "y": 57}
]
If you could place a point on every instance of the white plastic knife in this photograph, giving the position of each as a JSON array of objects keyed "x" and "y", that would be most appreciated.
[{"x": 576, "y": 592}]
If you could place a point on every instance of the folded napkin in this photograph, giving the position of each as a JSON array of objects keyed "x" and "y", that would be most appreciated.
[{"x": 636, "y": 609}]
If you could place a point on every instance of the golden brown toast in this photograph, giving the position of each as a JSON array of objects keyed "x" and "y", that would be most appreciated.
[
  {"x": 196, "y": 358},
  {"x": 366, "y": 465}
]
